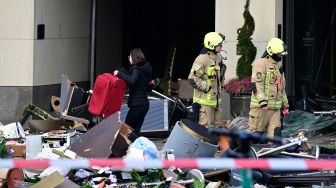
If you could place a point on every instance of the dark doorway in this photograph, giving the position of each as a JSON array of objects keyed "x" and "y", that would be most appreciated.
[
  {"x": 314, "y": 46},
  {"x": 154, "y": 26},
  {"x": 108, "y": 35}
]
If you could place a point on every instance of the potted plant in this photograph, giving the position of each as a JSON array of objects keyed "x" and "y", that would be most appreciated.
[
  {"x": 240, "y": 88},
  {"x": 240, "y": 95}
]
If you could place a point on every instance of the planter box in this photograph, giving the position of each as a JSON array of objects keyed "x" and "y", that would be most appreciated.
[{"x": 240, "y": 105}]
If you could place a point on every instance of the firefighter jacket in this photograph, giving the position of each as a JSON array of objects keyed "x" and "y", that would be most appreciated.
[
  {"x": 207, "y": 78},
  {"x": 269, "y": 85}
]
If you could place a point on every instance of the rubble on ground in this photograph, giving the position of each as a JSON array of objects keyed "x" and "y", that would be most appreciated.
[{"x": 70, "y": 133}]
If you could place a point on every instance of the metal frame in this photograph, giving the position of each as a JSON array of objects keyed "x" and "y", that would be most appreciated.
[
  {"x": 298, "y": 141},
  {"x": 67, "y": 89}
]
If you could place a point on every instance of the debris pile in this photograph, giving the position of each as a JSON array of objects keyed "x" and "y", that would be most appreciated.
[{"x": 72, "y": 133}]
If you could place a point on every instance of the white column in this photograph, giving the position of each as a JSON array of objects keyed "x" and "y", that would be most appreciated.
[
  {"x": 229, "y": 18},
  {"x": 16, "y": 42}
]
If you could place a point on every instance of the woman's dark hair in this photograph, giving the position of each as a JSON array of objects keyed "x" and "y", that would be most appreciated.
[{"x": 137, "y": 55}]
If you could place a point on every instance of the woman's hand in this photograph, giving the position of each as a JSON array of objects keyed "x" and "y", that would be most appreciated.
[{"x": 115, "y": 72}]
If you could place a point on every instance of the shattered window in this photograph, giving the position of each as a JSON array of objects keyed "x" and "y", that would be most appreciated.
[{"x": 315, "y": 124}]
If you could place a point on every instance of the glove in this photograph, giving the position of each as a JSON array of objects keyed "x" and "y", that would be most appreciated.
[{"x": 285, "y": 112}]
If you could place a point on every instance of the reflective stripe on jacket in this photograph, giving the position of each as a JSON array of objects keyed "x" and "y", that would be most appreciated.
[{"x": 270, "y": 85}]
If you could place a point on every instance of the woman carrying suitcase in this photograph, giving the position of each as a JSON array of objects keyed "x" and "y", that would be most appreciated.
[{"x": 137, "y": 79}]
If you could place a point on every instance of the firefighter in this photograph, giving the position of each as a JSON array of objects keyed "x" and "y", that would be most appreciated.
[
  {"x": 268, "y": 90},
  {"x": 207, "y": 78}
]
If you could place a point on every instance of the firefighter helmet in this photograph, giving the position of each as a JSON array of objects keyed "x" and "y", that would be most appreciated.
[
  {"x": 212, "y": 39},
  {"x": 276, "y": 47}
]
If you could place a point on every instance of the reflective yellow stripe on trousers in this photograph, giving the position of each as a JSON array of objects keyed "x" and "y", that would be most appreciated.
[{"x": 270, "y": 104}]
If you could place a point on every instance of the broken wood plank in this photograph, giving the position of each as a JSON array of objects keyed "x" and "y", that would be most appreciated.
[{"x": 98, "y": 141}]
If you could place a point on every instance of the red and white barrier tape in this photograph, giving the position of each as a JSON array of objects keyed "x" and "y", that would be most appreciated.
[{"x": 199, "y": 163}]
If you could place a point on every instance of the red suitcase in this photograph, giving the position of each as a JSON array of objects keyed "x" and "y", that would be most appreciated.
[{"x": 107, "y": 96}]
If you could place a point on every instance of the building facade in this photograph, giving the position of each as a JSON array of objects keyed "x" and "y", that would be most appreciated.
[{"x": 31, "y": 66}]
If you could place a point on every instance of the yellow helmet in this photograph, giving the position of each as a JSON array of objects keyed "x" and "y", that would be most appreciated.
[
  {"x": 276, "y": 47},
  {"x": 212, "y": 39}
]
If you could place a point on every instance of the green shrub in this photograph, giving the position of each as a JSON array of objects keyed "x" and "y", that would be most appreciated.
[{"x": 247, "y": 49}]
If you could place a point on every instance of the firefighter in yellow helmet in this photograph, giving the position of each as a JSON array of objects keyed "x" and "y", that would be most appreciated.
[
  {"x": 207, "y": 78},
  {"x": 268, "y": 90}
]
